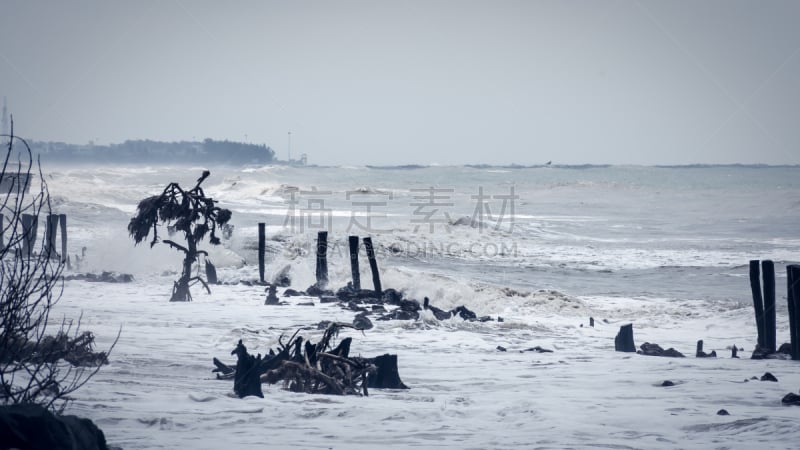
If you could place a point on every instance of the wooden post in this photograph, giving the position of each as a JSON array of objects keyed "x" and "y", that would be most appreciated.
[
  {"x": 62, "y": 220},
  {"x": 211, "y": 273},
  {"x": 734, "y": 351},
  {"x": 758, "y": 302},
  {"x": 50, "y": 235},
  {"x": 591, "y": 321},
  {"x": 262, "y": 240},
  {"x": 793, "y": 297},
  {"x": 322, "y": 259},
  {"x": 624, "y": 340},
  {"x": 30, "y": 225},
  {"x": 373, "y": 265},
  {"x": 768, "y": 275},
  {"x": 353, "y": 240},
  {"x": 699, "y": 349}
]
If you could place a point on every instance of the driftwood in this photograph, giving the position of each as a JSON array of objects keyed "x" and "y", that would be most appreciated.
[{"x": 302, "y": 366}]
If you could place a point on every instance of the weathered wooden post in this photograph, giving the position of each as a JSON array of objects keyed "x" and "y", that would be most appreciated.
[
  {"x": 624, "y": 340},
  {"x": 768, "y": 275},
  {"x": 322, "y": 259},
  {"x": 591, "y": 321},
  {"x": 373, "y": 265},
  {"x": 758, "y": 302},
  {"x": 353, "y": 240},
  {"x": 50, "y": 235},
  {"x": 262, "y": 241},
  {"x": 211, "y": 273},
  {"x": 793, "y": 298},
  {"x": 62, "y": 220},
  {"x": 30, "y": 225}
]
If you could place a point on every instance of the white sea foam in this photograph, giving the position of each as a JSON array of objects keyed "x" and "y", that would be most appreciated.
[{"x": 666, "y": 251}]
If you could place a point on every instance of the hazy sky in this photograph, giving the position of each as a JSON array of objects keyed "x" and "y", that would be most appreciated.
[{"x": 378, "y": 82}]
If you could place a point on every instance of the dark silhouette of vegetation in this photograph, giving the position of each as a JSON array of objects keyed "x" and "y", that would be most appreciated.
[
  {"x": 35, "y": 368},
  {"x": 156, "y": 152},
  {"x": 189, "y": 212}
]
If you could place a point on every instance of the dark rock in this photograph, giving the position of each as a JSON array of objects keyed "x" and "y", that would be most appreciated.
[
  {"x": 292, "y": 293},
  {"x": 537, "y": 349},
  {"x": 378, "y": 308},
  {"x": 438, "y": 313},
  {"x": 785, "y": 348},
  {"x": 33, "y": 427},
  {"x": 272, "y": 297},
  {"x": 353, "y": 306},
  {"x": 392, "y": 296},
  {"x": 723, "y": 412},
  {"x": 104, "y": 277},
  {"x": 399, "y": 314},
  {"x": 768, "y": 377},
  {"x": 791, "y": 399},
  {"x": 323, "y": 325},
  {"x": 362, "y": 322},
  {"x": 327, "y": 299},
  {"x": 485, "y": 319},
  {"x": 464, "y": 313},
  {"x": 763, "y": 353},
  {"x": 623, "y": 342},
  {"x": 500, "y": 348},
  {"x": 348, "y": 293},
  {"x": 305, "y": 304},
  {"x": 315, "y": 291},
  {"x": 500, "y": 319},
  {"x": 649, "y": 349},
  {"x": 667, "y": 383},
  {"x": 410, "y": 305}
]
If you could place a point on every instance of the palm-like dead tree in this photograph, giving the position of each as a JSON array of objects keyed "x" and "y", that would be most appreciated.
[
  {"x": 189, "y": 212},
  {"x": 34, "y": 367}
]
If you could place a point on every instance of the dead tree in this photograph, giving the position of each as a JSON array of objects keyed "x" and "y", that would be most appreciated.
[
  {"x": 189, "y": 212},
  {"x": 302, "y": 366},
  {"x": 35, "y": 367}
]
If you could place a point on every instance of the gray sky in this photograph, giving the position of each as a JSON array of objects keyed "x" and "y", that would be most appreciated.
[{"x": 377, "y": 82}]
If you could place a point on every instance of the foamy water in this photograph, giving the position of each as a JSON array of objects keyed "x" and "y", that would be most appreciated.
[{"x": 663, "y": 248}]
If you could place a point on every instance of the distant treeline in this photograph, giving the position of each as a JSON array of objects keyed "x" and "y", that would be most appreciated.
[{"x": 155, "y": 152}]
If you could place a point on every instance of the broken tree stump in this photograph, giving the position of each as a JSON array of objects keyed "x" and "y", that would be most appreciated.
[
  {"x": 322, "y": 259},
  {"x": 262, "y": 243},
  {"x": 247, "y": 380},
  {"x": 701, "y": 354},
  {"x": 62, "y": 220},
  {"x": 758, "y": 301},
  {"x": 624, "y": 340},
  {"x": 211, "y": 273},
  {"x": 768, "y": 275},
  {"x": 373, "y": 265},
  {"x": 387, "y": 375},
  {"x": 353, "y": 241},
  {"x": 30, "y": 226},
  {"x": 793, "y": 299}
]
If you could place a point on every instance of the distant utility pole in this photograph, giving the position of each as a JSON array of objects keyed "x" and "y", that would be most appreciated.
[
  {"x": 289, "y": 148},
  {"x": 4, "y": 129}
]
